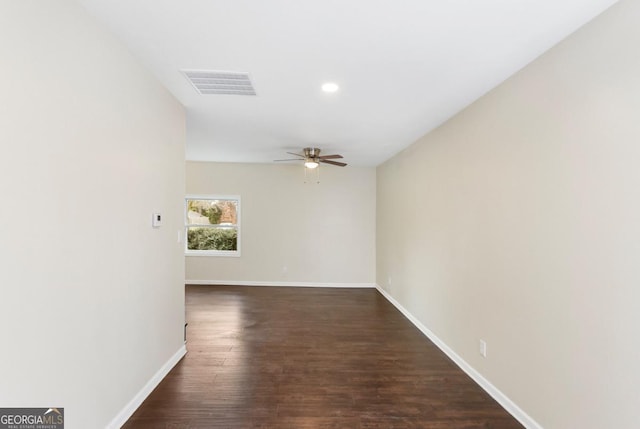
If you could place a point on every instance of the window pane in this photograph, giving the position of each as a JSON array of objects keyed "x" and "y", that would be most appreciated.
[
  {"x": 212, "y": 238},
  {"x": 212, "y": 212}
]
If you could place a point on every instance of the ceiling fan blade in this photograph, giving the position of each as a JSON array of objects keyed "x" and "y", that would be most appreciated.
[
  {"x": 291, "y": 159},
  {"x": 339, "y": 164},
  {"x": 330, "y": 156},
  {"x": 296, "y": 154}
]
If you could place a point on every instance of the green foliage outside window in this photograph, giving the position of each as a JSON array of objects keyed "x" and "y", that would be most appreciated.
[
  {"x": 213, "y": 212},
  {"x": 212, "y": 239}
]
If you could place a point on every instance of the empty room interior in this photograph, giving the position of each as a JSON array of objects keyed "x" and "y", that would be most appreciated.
[{"x": 413, "y": 214}]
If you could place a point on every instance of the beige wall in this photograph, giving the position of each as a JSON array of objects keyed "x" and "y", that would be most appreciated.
[
  {"x": 521, "y": 226},
  {"x": 91, "y": 297},
  {"x": 292, "y": 231}
]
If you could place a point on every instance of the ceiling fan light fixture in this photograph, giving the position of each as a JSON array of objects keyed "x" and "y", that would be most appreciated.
[{"x": 312, "y": 159}]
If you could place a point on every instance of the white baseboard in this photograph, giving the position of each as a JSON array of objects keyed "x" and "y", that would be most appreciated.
[
  {"x": 278, "y": 283},
  {"x": 496, "y": 394},
  {"x": 137, "y": 400}
]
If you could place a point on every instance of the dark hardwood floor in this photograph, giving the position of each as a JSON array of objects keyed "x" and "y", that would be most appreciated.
[{"x": 270, "y": 357}]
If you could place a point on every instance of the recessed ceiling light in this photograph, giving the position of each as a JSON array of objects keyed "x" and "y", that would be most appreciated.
[{"x": 330, "y": 87}]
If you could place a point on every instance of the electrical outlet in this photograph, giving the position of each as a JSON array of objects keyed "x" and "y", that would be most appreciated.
[{"x": 483, "y": 348}]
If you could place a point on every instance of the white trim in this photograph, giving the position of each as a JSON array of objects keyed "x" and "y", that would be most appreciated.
[
  {"x": 228, "y": 253},
  {"x": 496, "y": 394},
  {"x": 277, "y": 283},
  {"x": 211, "y": 197},
  {"x": 137, "y": 400}
]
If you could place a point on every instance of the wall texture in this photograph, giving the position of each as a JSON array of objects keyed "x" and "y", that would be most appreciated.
[
  {"x": 292, "y": 232},
  {"x": 92, "y": 298},
  {"x": 520, "y": 226}
]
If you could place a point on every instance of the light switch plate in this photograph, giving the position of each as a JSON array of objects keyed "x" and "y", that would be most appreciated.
[{"x": 157, "y": 220}]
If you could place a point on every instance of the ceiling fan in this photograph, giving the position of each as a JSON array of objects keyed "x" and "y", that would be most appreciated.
[{"x": 312, "y": 158}]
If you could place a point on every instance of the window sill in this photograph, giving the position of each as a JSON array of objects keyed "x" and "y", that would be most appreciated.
[{"x": 233, "y": 254}]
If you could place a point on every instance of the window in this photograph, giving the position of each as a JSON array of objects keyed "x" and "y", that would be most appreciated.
[{"x": 212, "y": 225}]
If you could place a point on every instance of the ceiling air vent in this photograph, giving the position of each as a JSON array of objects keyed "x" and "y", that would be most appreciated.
[{"x": 220, "y": 82}]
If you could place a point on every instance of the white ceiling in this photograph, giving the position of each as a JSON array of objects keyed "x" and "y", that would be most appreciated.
[{"x": 403, "y": 66}]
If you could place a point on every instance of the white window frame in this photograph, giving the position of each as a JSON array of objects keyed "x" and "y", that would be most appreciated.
[{"x": 232, "y": 253}]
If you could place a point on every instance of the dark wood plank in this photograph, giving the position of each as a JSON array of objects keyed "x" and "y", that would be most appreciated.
[{"x": 302, "y": 358}]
